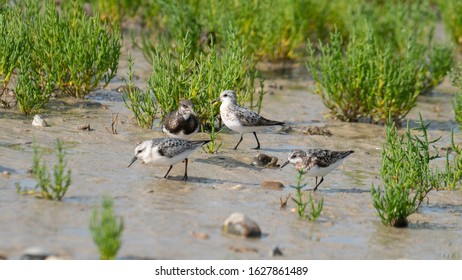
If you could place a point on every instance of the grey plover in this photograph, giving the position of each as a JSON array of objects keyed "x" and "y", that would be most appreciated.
[
  {"x": 166, "y": 152},
  {"x": 241, "y": 119},
  {"x": 316, "y": 162},
  {"x": 183, "y": 123}
]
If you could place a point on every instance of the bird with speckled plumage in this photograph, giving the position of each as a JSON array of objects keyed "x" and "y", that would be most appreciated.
[
  {"x": 182, "y": 123},
  {"x": 166, "y": 152},
  {"x": 241, "y": 119},
  {"x": 316, "y": 162}
]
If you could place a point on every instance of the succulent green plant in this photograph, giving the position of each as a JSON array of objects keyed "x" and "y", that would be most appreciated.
[{"x": 106, "y": 229}]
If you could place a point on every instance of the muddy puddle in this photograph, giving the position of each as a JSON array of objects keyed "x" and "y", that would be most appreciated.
[{"x": 163, "y": 218}]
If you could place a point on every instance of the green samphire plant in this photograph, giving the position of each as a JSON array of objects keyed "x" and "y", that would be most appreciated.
[
  {"x": 366, "y": 80},
  {"x": 106, "y": 229},
  {"x": 84, "y": 50},
  {"x": 406, "y": 174},
  {"x": 314, "y": 210},
  {"x": 50, "y": 48},
  {"x": 46, "y": 187}
]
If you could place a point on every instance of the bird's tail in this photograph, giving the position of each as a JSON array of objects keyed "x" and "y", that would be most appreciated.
[
  {"x": 201, "y": 142},
  {"x": 271, "y": 122}
]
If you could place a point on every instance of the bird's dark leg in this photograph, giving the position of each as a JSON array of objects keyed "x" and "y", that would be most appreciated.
[
  {"x": 168, "y": 171},
  {"x": 185, "y": 177},
  {"x": 317, "y": 184},
  {"x": 258, "y": 142},
  {"x": 240, "y": 140}
]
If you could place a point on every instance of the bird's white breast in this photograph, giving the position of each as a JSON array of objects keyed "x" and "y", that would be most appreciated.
[
  {"x": 317, "y": 171},
  {"x": 155, "y": 158}
]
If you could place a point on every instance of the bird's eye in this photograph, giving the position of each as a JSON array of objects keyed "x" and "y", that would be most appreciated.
[
  {"x": 293, "y": 156},
  {"x": 185, "y": 106},
  {"x": 225, "y": 95}
]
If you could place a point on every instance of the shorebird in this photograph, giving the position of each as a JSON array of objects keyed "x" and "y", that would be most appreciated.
[
  {"x": 166, "y": 152},
  {"x": 183, "y": 123},
  {"x": 316, "y": 162},
  {"x": 241, "y": 119}
]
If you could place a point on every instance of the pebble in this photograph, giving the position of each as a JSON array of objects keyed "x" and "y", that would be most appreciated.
[
  {"x": 6, "y": 173},
  {"x": 39, "y": 122},
  {"x": 243, "y": 249},
  {"x": 265, "y": 160},
  {"x": 241, "y": 225},
  {"x": 84, "y": 127},
  {"x": 35, "y": 253},
  {"x": 274, "y": 185},
  {"x": 200, "y": 235},
  {"x": 275, "y": 252},
  {"x": 316, "y": 130},
  {"x": 237, "y": 187}
]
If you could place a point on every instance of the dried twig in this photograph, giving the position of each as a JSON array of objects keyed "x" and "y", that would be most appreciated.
[{"x": 284, "y": 203}]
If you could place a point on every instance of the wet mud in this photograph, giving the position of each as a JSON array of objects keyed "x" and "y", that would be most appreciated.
[{"x": 166, "y": 218}]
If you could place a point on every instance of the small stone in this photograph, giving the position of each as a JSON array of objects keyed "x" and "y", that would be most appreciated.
[
  {"x": 39, "y": 122},
  {"x": 274, "y": 185},
  {"x": 275, "y": 252},
  {"x": 237, "y": 187},
  {"x": 265, "y": 160},
  {"x": 84, "y": 127},
  {"x": 241, "y": 225},
  {"x": 286, "y": 129},
  {"x": 200, "y": 235},
  {"x": 6, "y": 174},
  {"x": 35, "y": 253},
  {"x": 243, "y": 249},
  {"x": 316, "y": 130}
]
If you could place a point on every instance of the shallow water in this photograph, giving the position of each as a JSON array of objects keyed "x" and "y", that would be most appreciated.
[{"x": 160, "y": 215}]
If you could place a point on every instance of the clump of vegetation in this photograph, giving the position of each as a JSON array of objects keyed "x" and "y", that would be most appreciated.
[
  {"x": 314, "y": 209},
  {"x": 11, "y": 49},
  {"x": 48, "y": 189},
  {"x": 80, "y": 50},
  {"x": 106, "y": 229},
  {"x": 452, "y": 174},
  {"x": 32, "y": 90},
  {"x": 406, "y": 174},
  {"x": 367, "y": 81},
  {"x": 63, "y": 49}
]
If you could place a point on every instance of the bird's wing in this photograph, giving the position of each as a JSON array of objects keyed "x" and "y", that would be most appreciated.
[
  {"x": 250, "y": 118},
  {"x": 169, "y": 120}
]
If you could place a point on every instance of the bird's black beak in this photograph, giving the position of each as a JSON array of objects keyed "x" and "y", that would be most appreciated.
[
  {"x": 216, "y": 100},
  {"x": 133, "y": 160},
  {"x": 285, "y": 163}
]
